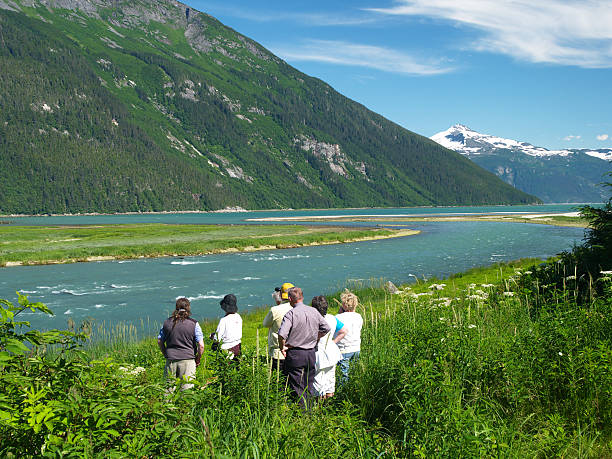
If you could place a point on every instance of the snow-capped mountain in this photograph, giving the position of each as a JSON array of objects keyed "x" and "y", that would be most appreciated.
[
  {"x": 572, "y": 175},
  {"x": 468, "y": 142}
]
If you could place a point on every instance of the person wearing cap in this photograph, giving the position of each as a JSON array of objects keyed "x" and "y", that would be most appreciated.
[
  {"x": 272, "y": 322},
  {"x": 229, "y": 330},
  {"x": 298, "y": 336},
  {"x": 181, "y": 342}
]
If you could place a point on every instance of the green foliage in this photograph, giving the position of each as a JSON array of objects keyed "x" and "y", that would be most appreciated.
[
  {"x": 36, "y": 244},
  {"x": 470, "y": 368},
  {"x": 141, "y": 120}
]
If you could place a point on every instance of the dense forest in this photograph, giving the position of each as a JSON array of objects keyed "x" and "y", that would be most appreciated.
[{"x": 141, "y": 107}]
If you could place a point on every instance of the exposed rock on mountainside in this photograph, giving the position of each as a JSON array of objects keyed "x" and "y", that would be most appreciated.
[{"x": 117, "y": 105}]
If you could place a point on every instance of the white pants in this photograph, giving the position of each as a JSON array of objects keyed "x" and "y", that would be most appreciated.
[{"x": 325, "y": 381}]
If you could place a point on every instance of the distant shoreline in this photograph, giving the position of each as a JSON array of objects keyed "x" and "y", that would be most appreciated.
[
  {"x": 569, "y": 219},
  {"x": 230, "y": 210}
]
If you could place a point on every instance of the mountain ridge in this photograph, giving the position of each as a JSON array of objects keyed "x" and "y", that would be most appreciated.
[
  {"x": 568, "y": 175},
  {"x": 152, "y": 105}
]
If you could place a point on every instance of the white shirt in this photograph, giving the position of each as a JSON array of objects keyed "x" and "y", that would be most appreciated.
[
  {"x": 229, "y": 331},
  {"x": 352, "y": 341}
]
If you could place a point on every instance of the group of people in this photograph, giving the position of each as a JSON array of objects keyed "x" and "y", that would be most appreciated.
[{"x": 305, "y": 343}]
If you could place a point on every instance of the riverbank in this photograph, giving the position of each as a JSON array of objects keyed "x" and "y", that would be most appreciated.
[
  {"x": 485, "y": 363},
  {"x": 569, "y": 219},
  {"x": 35, "y": 245}
]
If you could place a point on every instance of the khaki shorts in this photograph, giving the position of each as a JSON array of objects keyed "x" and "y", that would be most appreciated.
[{"x": 185, "y": 369}]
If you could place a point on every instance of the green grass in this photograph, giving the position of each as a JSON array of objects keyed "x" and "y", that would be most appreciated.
[
  {"x": 30, "y": 244},
  {"x": 491, "y": 362}
]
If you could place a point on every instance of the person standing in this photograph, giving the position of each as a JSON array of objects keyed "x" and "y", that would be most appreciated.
[
  {"x": 272, "y": 322},
  {"x": 350, "y": 345},
  {"x": 229, "y": 330},
  {"x": 328, "y": 354},
  {"x": 181, "y": 342},
  {"x": 298, "y": 336}
]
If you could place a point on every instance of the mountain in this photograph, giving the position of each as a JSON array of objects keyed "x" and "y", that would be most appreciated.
[
  {"x": 553, "y": 175},
  {"x": 140, "y": 105}
]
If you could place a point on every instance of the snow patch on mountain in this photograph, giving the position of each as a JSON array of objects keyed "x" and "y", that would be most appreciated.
[{"x": 468, "y": 142}]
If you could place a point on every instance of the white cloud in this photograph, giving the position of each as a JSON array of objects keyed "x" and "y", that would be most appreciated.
[
  {"x": 567, "y": 32},
  {"x": 345, "y": 53},
  {"x": 572, "y": 137},
  {"x": 602, "y": 137},
  {"x": 258, "y": 14}
]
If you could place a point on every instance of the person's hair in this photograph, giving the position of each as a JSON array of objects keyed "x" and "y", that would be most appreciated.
[
  {"x": 295, "y": 294},
  {"x": 181, "y": 311},
  {"x": 320, "y": 304},
  {"x": 349, "y": 301}
]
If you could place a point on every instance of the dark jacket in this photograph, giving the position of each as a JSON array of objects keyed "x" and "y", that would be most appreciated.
[{"x": 180, "y": 340}]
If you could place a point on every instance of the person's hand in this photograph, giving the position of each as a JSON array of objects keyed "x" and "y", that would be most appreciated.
[
  {"x": 197, "y": 360},
  {"x": 284, "y": 351}
]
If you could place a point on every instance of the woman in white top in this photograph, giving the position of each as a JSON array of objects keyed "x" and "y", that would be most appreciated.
[
  {"x": 328, "y": 353},
  {"x": 350, "y": 345},
  {"x": 229, "y": 330}
]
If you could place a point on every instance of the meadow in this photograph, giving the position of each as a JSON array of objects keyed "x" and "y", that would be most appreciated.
[
  {"x": 491, "y": 362},
  {"x": 66, "y": 244},
  {"x": 510, "y": 360}
]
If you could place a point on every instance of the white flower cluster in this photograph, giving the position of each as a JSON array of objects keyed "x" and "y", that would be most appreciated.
[
  {"x": 132, "y": 370},
  {"x": 437, "y": 286}
]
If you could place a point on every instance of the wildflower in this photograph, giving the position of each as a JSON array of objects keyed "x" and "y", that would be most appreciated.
[
  {"x": 476, "y": 297},
  {"x": 508, "y": 293},
  {"x": 527, "y": 273},
  {"x": 443, "y": 319},
  {"x": 471, "y": 326},
  {"x": 132, "y": 370},
  {"x": 437, "y": 286},
  {"x": 488, "y": 285},
  {"x": 472, "y": 286},
  {"x": 570, "y": 278},
  {"x": 606, "y": 272},
  {"x": 560, "y": 354}
]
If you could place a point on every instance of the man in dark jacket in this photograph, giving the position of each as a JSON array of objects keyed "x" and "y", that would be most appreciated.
[{"x": 182, "y": 343}]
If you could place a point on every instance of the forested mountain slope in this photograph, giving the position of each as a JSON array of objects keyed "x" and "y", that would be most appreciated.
[{"x": 150, "y": 105}]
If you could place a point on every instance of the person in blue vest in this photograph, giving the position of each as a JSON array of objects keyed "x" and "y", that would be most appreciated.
[{"x": 181, "y": 342}]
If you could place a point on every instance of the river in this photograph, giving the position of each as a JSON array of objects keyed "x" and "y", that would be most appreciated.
[{"x": 144, "y": 290}]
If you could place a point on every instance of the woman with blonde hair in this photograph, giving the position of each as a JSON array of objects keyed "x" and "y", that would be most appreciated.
[{"x": 350, "y": 344}]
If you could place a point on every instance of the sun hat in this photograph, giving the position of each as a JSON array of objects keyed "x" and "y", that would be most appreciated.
[
  {"x": 284, "y": 289},
  {"x": 228, "y": 304}
]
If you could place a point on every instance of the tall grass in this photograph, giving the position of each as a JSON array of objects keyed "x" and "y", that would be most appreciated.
[{"x": 486, "y": 363}]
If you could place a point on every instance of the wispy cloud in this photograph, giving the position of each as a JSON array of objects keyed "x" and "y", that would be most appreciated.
[
  {"x": 376, "y": 57},
  {"x": 569, "y": 138},
  {"x": 344, "y": 18},
  {"x": 602, "y": 137},
  {"x": 567, "y": 32}
]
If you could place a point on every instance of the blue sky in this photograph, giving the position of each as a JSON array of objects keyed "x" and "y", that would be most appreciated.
[{"x": 533, "y": 70}]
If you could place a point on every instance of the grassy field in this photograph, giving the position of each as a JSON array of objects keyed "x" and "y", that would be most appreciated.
[
  {"x": 65, "y": 244},
  {"x": 499, "y": 361}
]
